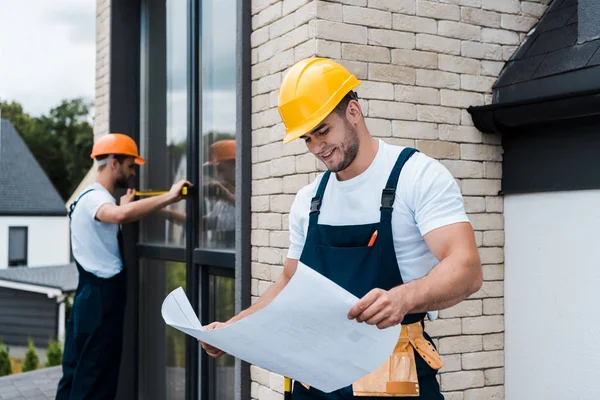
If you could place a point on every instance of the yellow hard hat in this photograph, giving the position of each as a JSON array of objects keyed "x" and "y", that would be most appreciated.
[{"x": 310, "y": 91}]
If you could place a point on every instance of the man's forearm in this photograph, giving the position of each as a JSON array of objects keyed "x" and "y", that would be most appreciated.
[
  {"x": 453, "y": 280},
  {"x": 262, "y": 302},
  {"x": 136, "y": 210}
]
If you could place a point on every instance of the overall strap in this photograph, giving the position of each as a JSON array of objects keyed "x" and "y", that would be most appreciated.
[
  {"x": 315, "y": 203},
  {"x": 389, "y": 193},
  {"x": 72, "y": 206}
]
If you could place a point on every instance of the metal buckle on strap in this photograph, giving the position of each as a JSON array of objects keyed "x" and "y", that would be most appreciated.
[
  {"x": 387, "y": 198},
  {"x": 315, "y": 204}
]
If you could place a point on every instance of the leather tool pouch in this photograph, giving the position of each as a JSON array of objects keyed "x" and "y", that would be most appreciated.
[{"x": 397, "y": 376}]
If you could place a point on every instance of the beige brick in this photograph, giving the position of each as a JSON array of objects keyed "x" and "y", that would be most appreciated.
[
  {"x": 493, "y": 342},
  {"x": 488, "y": 393},
  {"x": 266, "y": 16},
  {"x": 268, "y": 83},
  {"x": 330, "y": 11},
  {"x": 418, "y": 59},
  {"x": 493, "y": 272},
  {"x": 283, "y": 166},
  {"x": 452, "y": 363},
  {"x": 281, "y": 203},
  {"x": 267, "y": 186},
  {"x": 438, "y": 44},
  {"x": 443, "y": 327},
  {"x": 309, "y": 49},
  {"x": 438, "y": 79},
  {"x": 389, "y": 38},
  {"x": 438, "y": 149},
  {"x": 268, "y": 394},
  {"x": 491, "y": 68},
  {"x": 494, "y": 204},
  {"x": 505, "y": 6},
  {"x": 460, "y": 344},
  {"x": 294, "y": 148},
  {"x": 254, "y": 56},
  {"x": 499, "y": 36},
  {"x": 480, "y": 17},
  {"x": 269, "y": 152},
  {"x": 462, "y": 380},
  {"x": 477, "y": 83},
  {"x": 493, "y": 238},
  {"x": 399, "y": 6},
  {"x": 259, "y": 375},
  {"x": 282, "y": 26},
  {"x": 340, "y": 32},
  {"x": 360, "y": 3},
  {"x": 418, "y": 95},
  {"x": 465, "y": 118},
  {"x": 459, "y": 30},
  {"x": 367, "y": 17},
  {"x": 468, "y": 3},
  {"x": 364, "y": 106},
  {"x": 488, "y": 359},
  {"x": 290, "y": 6},
  {"x": 494, "y": 376},
  {"x": 277, "y": 270},
  {"x": 379, "y": 127},
  {"x": 392, "y": 110},
  {"x": 285, "y": 220},
  {"x": 465, "y": 169},
  {"x": 376, "y": 90},
  {"x": 508, "y": 51},
  {"x": 481, "y": 325},
  {"x": 408, "y": 23},
  {"x": 441, "y": 115},
  {"x": 480, "y": 187},
  {"x": 518, "y": 23},
  {"x": 484, "y": 222},
  {"x": 259, "y": 37},
  {"x": 305, "y": 163},
  {"x": 493, "y": 306},
  {"x": 474, "y": 205},
  {"x": 392, "y": 74},
  {"x": 306, "y": 13},
  {"x": 459, "y": 65},
  {"x": 400, "y": 142},
  {"x": 452, "y": 98},
  {"x": 481, "y": 51},
  {"x": 254, "y": 223},
  {"x": 480, "y": 152},
  {"x": 276, "y": 382},
  {"x": 359, "y": 69},
  {"x": 452, "y": 395},
  {"x": 269, "y": 221},
  {"x": 492, "y": 170},
  {"x": 438, "y": 10},
  {"x": 259, "y": 103},
  {"x": 254, "y": 386},
  {"x": 359, "y": 52},
  {"x": 491, "y": 255},
  {"x": 535, "y": 10},
  {"x": 478, "y": 238},
  {"x": 325, "y": 48},
  {"x": 293, "y": 183},
  {"x": 458, "y": 133},
  {"x": 260, "y": 204},
  {"x": 268, "y": 255},
  {"x": 467, "y": 308},
  {"x": 261, "y": 271},
  {"x": 491, "y": 138},
  {"x": 416, "y": 130}
]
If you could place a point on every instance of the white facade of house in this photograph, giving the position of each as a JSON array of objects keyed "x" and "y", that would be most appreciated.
[{"x": 48, "y": 241}]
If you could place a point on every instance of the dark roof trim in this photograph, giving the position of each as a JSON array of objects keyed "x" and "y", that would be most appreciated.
[
  {"x": 500, "y": 118},
  {"x": 33, "y": 213}
]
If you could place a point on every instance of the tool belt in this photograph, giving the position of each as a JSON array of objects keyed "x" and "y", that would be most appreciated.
[{"x": 397, "y": 376}]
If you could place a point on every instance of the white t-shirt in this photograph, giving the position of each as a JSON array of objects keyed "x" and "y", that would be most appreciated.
[
  {"x": 95, "y": 244},
  {"x": 427, "y": 197}
]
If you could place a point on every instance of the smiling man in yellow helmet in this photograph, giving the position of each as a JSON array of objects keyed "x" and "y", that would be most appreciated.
[{"x": 387, "y": 223}]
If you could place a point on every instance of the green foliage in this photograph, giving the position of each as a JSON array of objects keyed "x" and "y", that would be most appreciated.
[
  {"x": 31, "y": 358},
  {"x": 5, "y": 364},
  {"x": 54, "y": 354},
  {"x": 60, "y": 141}
]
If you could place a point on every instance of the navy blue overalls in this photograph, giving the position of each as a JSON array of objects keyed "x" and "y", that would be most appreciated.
[
  {"x": 93, "y": 344},
  {"x": 341, "y": 254}
]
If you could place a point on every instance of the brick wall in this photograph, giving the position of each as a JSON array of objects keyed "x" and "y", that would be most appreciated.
[
  {"x": 102, "y": 67},
  {"x": 422, "y": 63}
]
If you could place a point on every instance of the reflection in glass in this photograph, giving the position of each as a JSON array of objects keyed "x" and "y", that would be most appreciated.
[
  {"x": 218, "y": 123},
  {"x": 175, "y": 340},
  {"x": 222, "y": 297}
]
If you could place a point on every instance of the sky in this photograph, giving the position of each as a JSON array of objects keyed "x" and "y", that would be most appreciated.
[{"x": 47, "y": 52}]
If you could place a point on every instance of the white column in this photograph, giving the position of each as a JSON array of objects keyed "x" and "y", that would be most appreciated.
[{"x": 61, "y": 321}]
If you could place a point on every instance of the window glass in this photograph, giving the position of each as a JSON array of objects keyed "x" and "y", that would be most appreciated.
[{"x": 17, "y": 246}]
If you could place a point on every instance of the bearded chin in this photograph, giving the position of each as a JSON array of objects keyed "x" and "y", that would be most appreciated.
[
  {"x": 350, "y": 148},
  {"x": 122, "y": 182}
]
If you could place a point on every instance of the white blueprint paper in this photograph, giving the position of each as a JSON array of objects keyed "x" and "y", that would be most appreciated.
[{"x": 304, "y": 333}]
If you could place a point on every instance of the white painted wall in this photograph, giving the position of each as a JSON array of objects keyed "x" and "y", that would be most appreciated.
[
  {"x": 48, "y": 240},
  {"x": 552, "y": 296}
]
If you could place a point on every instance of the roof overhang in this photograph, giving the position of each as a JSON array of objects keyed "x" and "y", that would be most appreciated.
[{"x": 51, "y": 292}]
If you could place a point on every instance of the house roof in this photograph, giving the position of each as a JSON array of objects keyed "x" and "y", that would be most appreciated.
[
  {"x": 61, "y": 277},
  {"x": 26, "y": 189},
  {"x": 551, "y": 49}
]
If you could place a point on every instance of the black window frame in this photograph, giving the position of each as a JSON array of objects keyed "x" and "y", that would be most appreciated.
[{"x": 18, "y": 262}]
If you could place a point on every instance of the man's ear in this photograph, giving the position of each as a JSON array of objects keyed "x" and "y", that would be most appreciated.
[{"x": 353, "y": 111}]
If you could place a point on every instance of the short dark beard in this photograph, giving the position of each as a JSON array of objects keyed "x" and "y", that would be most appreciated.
[
  {"x": 349, "y": 147},
  {"x": 122, "y": 182}
]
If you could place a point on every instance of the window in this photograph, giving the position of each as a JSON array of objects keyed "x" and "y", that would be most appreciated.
[{"x": 17, "y": 246}]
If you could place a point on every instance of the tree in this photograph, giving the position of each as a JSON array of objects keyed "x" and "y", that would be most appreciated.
[
  {"x": 54, "y": 354},
  {"x": 31, "y": 358},
  {"x": 5, "y": 364},
  {"x": 60, "y": 141}
]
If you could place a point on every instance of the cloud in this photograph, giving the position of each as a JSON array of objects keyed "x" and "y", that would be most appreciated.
[{"x": 48, "y": 52}]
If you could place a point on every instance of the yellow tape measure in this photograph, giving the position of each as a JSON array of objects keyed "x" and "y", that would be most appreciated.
[{"x": 148, "y": 193}]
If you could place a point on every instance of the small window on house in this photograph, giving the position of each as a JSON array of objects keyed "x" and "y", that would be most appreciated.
[{"x": 17, "y": 246}]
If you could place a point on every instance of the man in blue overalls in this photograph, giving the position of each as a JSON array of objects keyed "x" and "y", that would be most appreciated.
[
  {"x": 387, "y": 223},
  {"x": 92, "y": 354}
]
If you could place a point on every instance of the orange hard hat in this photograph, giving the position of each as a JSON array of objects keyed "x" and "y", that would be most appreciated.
[
  {"x": 221, "y": 151},
  {"x": 117, "y": 143}
]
